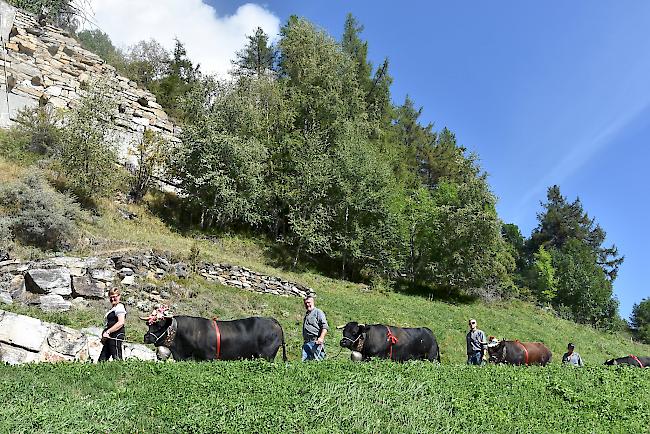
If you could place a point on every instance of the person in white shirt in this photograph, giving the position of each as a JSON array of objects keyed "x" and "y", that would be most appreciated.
[{"x": 114, "y": 332}]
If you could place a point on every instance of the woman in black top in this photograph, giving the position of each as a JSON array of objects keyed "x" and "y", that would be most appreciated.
[{"x": 113, "y": 333}]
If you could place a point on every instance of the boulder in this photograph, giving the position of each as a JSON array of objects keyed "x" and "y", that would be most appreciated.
[
  {"x": 5, "y": 298},
  {"x": 54, "y": 303},
  {"x": 128, "y": 280},
  {"x": 104, "y": 274},
  {"x": 180, "y": 269},
  {"x": 88, "y": 287},
  {"x": 22, "y": 331},
  {"x": 16, "y": 355},
  {"x": 66, "y": 341},
  {"x": 137, "y": 351},
  {"x": 55, "y": 281}
]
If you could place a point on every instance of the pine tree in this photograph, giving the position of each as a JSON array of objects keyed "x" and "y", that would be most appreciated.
[{"x": 257, "y": 58}]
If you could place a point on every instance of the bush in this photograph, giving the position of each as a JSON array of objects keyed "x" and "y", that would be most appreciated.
[
  {"x": 87, "y": 154},
  {"x": 38, "y": 128},
  {"x": 35, "y": 214}
]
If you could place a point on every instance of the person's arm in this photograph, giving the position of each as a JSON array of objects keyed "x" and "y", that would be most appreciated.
[
  {"x": 321, "y": 338},
  {"x": 323, "y": 328}
]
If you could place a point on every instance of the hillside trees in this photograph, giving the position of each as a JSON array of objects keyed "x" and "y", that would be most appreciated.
[
  {"x": 640, "y": 320},
  {"x": 257, "y": 58},
  {"x": 302, "y": 155},
  {"x": 580, "y": 275}
]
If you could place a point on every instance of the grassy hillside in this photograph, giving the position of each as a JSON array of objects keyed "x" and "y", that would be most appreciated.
[
  {"x": 342, "y": 301},
  {"x": 333, "y": 396}
]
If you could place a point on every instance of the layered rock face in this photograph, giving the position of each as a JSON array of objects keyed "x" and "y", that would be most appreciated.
[{"x": 43, "y": 65}]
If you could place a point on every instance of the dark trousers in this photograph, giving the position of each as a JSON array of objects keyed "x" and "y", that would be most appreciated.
[{"x": 112, "y": 348}]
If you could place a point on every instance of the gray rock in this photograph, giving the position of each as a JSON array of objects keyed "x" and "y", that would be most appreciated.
[
  {"x": 125, "y": 271},
  {"x": 54, "y": 303},
  {"x": 144, "y": 306},
  {"x": 17, "y": 287},
  {"x": 5, "y": 298},
  {"x": 138, "y": 351},
  {"x": 128, "y": 280},
  {"x": 16, "y": 355},
  {"x": 88, "y": 287},
  {"x": 66, "y": 340},
  {"x": 22, "y": 331},
  {"x": 103, "y": 274},
  {"x": 54, "y": 281},
  {"x": 180, "y": 269}
]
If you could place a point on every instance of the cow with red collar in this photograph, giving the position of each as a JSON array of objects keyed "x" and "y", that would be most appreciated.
[
  {"x": 193, "y": 338},
  {"x": 518, "y": 353},
  {"x": 631, "y": 360},
  {"x": 389, "y": 342}
]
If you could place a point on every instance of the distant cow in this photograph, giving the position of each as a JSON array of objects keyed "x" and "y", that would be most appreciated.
[
  {"x": 519, "y": 353},
  {"x": 388, "y": 342},
  {"x": 203, "y": 339},
  {"x": 639, "y": 362}
]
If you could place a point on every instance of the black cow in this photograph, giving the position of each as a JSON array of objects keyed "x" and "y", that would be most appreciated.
[
  {"x": 519, "y": 353},
  {"x": 639, "y": 362},
  {"x": 196, "y": 338},
  {"x": 388, "y": 342}
]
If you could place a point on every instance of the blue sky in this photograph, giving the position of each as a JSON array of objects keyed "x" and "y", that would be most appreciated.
[{"x": 545, "y": 93}]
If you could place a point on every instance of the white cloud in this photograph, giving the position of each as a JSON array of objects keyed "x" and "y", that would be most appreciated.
[{"x": 209, "y": 38}]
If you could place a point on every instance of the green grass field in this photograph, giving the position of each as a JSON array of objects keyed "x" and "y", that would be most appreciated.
[{"x": 328, "y": 397}]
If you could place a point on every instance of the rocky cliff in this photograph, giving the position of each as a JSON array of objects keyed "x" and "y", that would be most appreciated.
[{"x": 44, "y": 65}]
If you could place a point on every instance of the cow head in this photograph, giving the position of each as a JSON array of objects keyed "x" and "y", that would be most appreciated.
[
  {"x": 353, "y": 336},
  {"x": 496, "y": 350},
  {"x": 611, "y": 362},
  {"x": 159, "y": 322}
]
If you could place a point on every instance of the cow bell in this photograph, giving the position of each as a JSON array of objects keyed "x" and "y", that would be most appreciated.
[
  {"x": 163, "y": 353},
  {"x": 356, "y": 356}
]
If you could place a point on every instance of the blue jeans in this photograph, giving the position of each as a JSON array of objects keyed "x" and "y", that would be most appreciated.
[
  {"x": 475, "y": 358},
  {"x": 312, "y": 351}
]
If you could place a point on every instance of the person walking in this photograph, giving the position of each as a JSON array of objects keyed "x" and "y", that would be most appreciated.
[
  {"x": 314, "y": 330},
  {"x": 114, "y": 331},
  {"x": 476, "y": 343},
  {"x": 571, "y": 357}
]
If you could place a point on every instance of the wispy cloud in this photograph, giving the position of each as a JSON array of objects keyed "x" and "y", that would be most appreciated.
[
  {"x": 211, "y": 39},
  {"x": 579, "y": 153}
]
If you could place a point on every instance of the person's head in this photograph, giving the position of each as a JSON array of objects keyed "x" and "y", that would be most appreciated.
[
  {"x": 114, "y": 295},
  {"x": 570, "y": 348},
  {"x": 309, "y": 303},
  {"x": 472, "y": 323}
]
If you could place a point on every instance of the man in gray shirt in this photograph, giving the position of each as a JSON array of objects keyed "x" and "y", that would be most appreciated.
[
  {"x": 476, "y": 343},
  {"x": 314, "y": 329},
  {"x": 571, "y": 357}
]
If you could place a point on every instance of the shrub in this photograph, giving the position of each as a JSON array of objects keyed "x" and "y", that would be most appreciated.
[
  {"x": 39, "y": 129},
  {"x": 35, "y": 214},
  {"x": 87, "y": 154},
  {"x": 150, "y": 154}
]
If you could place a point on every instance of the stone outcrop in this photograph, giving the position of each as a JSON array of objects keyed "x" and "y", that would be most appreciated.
[
  {"x": 63, "y": 283},
  {"x": 24, "y": 339},
  {"x": 45, "y": 66}
]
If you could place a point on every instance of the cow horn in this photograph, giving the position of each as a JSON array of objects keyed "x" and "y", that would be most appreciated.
[
  {"x": 340, "y": 327},
  {"x": 361, "y": 325},
  {"x": 144, "y": 318}
]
